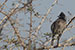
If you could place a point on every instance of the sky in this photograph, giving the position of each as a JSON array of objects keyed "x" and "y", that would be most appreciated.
[{"x": 42, "y": 6}]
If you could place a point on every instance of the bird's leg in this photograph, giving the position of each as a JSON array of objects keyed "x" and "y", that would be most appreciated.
[
  {"x": 52, "y": 40},
  {"x": 58, "y": 38}
]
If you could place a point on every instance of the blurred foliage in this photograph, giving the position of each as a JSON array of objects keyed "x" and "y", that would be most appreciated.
[{"x": 48, "y": 34}]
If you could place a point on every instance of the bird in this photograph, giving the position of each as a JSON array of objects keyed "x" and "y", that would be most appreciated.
[{"x": 57, "y": 28}]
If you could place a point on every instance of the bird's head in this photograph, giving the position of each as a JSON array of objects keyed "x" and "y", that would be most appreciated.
[{"x": 62, "y": 16}]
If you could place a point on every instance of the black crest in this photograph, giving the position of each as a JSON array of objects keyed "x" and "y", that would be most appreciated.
[{"x": 62, "y": 16}]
